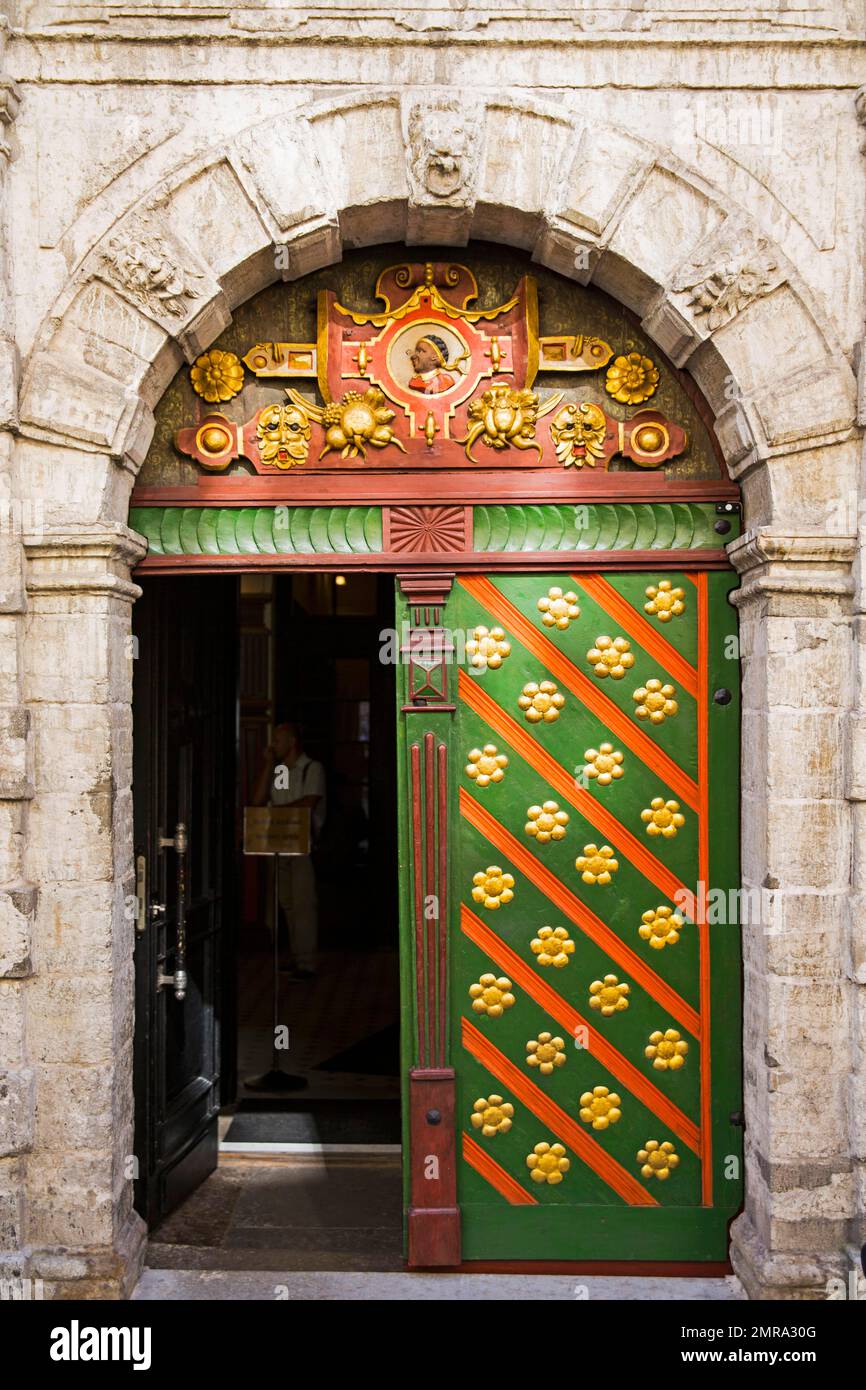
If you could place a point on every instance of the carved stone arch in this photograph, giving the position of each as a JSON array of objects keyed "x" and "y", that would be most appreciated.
[{"x": 605, "y": 207}]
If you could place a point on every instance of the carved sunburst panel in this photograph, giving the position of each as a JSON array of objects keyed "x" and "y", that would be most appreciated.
[{"x": 427, "y": 530}]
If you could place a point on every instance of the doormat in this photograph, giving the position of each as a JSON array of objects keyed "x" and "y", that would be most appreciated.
[
  {"x": 377, "y": 1055},
  {"x": 317, "y": 1122}
]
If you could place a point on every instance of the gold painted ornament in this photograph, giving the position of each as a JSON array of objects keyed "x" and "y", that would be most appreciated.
[
  {"x": 487, "y": 647},
  {"x": 540, "y": 701},
  {"x": 486, "y": 765},
  {"x": 552, "y": 946},
  {"x": 558, "y": 609},
  {"x": 663, "y": 818},
  {"x": 657, "y": 1160},
  {"x": 667, "y": 1050},
  {"x": 631, "y": 379},
  {"x": 603, "y": 764},
  {"x": 608, "y": 996},
  {"x": 611, "y": 656},
  {"x": 655, "y": 701},
  {"x": 493, "y": 888},
  {"x": 217, "y": 375},
  {"x": 661, "y": 927},
  {"x": 283, "y": 433},
  {"x": 491, "y": 995},
  {"x": 546, "y": 1053},
  {"x": 600, "y": 1108},
  {"x": 546, "y": 822},
  {"x": 354, "y": 423},
  {"x": 548, "y": 1163},
  {"x": 596, "y": 865},
  {"x": 503, "y": 416},
  {"x": 665, "y": 602},
  {"x": 579, "y": 434},
  {"x": 492, "y": 1116}
]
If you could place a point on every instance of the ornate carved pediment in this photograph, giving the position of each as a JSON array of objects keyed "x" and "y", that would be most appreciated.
[{"x": 432, "y": 379}]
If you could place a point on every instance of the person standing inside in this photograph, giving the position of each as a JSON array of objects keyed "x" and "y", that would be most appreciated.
[{"x": 290, "y": 778}]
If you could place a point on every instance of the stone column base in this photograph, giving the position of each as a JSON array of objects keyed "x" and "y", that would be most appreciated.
[
  {"x": 788, "y": 1275},
  {"x": 107, "y": 1272}
]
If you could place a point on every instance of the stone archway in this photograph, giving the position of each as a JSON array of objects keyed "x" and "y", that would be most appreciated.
[{"x": 154, "y": 287}]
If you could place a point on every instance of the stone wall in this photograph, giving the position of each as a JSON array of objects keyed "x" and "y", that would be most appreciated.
[{"x": 164, "y": 162}]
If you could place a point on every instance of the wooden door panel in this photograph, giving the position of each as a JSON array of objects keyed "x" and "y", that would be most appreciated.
[
  {"x": 601, "y": 1203},
  {"x": 184, "y": 691}
]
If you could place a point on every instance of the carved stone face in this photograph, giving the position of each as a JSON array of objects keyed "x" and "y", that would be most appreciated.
[
  {"x": 444, "y": 143},
  {"x": 284, "y": 435}
]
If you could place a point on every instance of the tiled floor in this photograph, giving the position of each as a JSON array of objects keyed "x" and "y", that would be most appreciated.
[{"x": 318, "y": 1212}]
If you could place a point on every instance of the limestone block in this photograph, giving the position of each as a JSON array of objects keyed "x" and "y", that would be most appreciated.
[
  {"x": 278, "y": 156},
  {"x": 70, "y": 401},
  {"x": 17, "y": 907},
  {"x": 12, "y": 1023},
  {"x": 12, "y": 1229},
  {"x": 71, "y": 1019},
  {"x": 809, "y": 941},
  {"x": 805, "y": 759},
  {"x": 602, "y": 167},
  {"x": 74, "y": 1108},
  {"x": 755, "y": 845},
  {"x": 10, "y": 658},
  {"x": 10, "y": 368},
  {"x": 62, "y": 486},
  {"x": 75, "y": 927},
  {"x": 808, "y": 843},
  {"x": 773, "y": 346},
  {"x": 103, "y": 331},
  {"x": 370, "y": 194},
  {"x": 15, "y": 771},
  {"x": 809, "y": 1121},
  {"x": 70, "y": 1199},
  {"x": 78, "y": 651},
  {"x": 509, "y": 182},
  {"x": 213, "y": 210},
  {"x": 857, "y": 910},
  {"x": 664, "y": 219},
  {"x": 17, "y": 1111},
  {"x": 568, "y": 253},
  {"x": 671, "y": 331},
  {"x": 831, "y": 395},
  {"x": 70, "y": 836},
  {"x": 72, "y": 746}
]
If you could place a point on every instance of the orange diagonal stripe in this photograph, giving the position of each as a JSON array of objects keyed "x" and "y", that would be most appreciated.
[
  {"x": 560, "y": 1125},
  {"x": 570, "y": 1019},
  {"x": 577, "y": 912},
  {"x": 636, "y": 625},
  {"x": 580, "y": 685},
  {"x": 522, "y": 741},
  {"x": 507, "y": 1186}
]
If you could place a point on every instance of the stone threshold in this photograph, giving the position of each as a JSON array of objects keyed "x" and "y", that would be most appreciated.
[{"x": 226, "y": 1285}]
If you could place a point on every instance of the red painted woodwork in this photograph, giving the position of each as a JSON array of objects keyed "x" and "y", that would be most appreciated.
[
  {"x": 516, "y": 562},
  {"x": 372, "y": 487},
  {"x": 434, "y": 1216}
]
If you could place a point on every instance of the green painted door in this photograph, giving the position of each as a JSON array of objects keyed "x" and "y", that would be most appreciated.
[{"x": 594, "y": 960}]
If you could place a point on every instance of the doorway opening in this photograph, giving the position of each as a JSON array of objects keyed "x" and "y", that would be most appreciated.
[{"x": 230, "y": 1160}]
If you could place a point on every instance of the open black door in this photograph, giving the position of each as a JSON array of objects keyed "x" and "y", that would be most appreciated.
[{"x": 184, "y": 797}]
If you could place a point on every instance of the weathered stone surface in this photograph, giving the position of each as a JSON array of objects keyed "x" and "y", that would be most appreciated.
[{"x": 641, "y": 175}]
